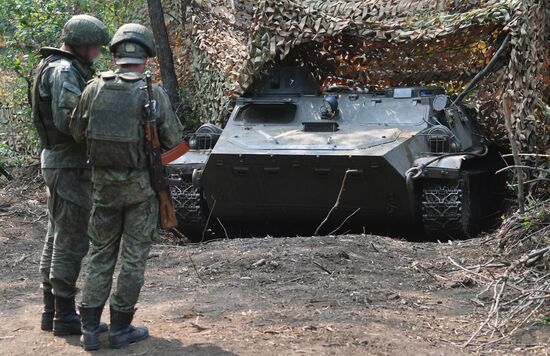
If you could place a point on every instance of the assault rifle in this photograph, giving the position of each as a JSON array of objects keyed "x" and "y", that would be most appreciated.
[{"x": 160, "y": 184}]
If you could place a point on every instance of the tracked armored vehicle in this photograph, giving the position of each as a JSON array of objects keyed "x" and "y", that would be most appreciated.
[{"x": 295, "y": 159}]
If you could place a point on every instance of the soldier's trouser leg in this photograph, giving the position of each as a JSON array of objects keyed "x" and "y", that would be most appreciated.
[
  {"x": 69, "y": 195},
  {"x": 140, "y": 224},
  {"x": 106, "y": 226},
  {"x": 45, "y": 264},
  {"x": 70, "y": 246},
  {"x": 140, "y": 227},
  {"x": 67, "y": 239},
  {"x": 46, "y": 258}
]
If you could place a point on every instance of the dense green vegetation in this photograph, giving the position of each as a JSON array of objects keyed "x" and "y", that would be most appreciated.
[{"x": 25, "y": 27}]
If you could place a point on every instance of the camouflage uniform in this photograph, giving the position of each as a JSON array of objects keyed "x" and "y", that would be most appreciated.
[
  {"x": 110, "y": 118},
  {"x": 60, "y": 78},
  {"x": 125, "y": 207},
  {"x": 66, "y": 173}
]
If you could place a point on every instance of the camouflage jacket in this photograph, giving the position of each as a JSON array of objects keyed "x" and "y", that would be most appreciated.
[
  {"x": 61, "y": 83},
  {"x": 118, "y": 185}
]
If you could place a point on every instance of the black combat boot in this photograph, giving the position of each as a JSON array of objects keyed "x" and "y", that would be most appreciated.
[
  {"x": 66, "y": 320},
  {"x": 122, "y": 333},
  {"x": 91, "y": 327},
  {"x": 48, "y": 312}
]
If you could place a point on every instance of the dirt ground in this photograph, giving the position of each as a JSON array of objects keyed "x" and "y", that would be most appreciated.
[{"x": 333, "y": 295}]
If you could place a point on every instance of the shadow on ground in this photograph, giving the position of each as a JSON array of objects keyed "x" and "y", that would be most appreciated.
[{"x": 155, "y": 346}]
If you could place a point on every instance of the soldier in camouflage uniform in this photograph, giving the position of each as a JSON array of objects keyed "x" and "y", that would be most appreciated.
[
  {"x": 110, "y": 118},
  {"x": 60, "y": 77}
]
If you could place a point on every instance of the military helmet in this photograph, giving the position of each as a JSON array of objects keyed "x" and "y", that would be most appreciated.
[
  {"x": 84, "y": 30},
  {"x": 132, "y": 43}
]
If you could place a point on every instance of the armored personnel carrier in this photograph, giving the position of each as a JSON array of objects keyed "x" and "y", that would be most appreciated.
[{"x": 294, "y": 158}]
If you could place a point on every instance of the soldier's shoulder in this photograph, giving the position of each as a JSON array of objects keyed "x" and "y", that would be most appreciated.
[
  {"x": 91, "y": 86},
  {"x": 131, "y": 76},
  {"x": 94, "y": 81},
  {"x": 160, "y": 90},
  {"x": 125, "y": 77},
  {"x": 107, "y": 75},
  {"x": 63, "y": 69},
  {"x": 61, "y": 64}
]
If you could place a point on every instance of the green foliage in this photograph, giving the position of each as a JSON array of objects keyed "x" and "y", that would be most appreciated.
[
  {"x": 537, "y": 217},
  {"x": 544, "y": 320},
  {"x": 527, "y": 223},
  {"x": 25, "y": 27}
]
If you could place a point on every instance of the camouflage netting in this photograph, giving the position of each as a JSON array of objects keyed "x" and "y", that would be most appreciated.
[{"x": 376, "y": 44}]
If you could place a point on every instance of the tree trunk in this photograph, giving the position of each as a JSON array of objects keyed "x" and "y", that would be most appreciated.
[
  {"x": 507, "y": 108},
  {"x": 164, "y": 52}
]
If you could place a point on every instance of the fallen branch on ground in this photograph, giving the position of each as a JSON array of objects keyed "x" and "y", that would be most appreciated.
[{"x": 519, "y": 292}]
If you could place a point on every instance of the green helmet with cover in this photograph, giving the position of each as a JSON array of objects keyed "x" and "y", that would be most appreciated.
[
  {"x": 85, "y": 30},
  {"x": 132, "y": 43}
]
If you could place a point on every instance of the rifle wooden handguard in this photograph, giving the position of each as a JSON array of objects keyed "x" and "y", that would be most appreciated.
[
  {"x": 175, "y": 153},
  {"x": 167, "y": 214}
]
